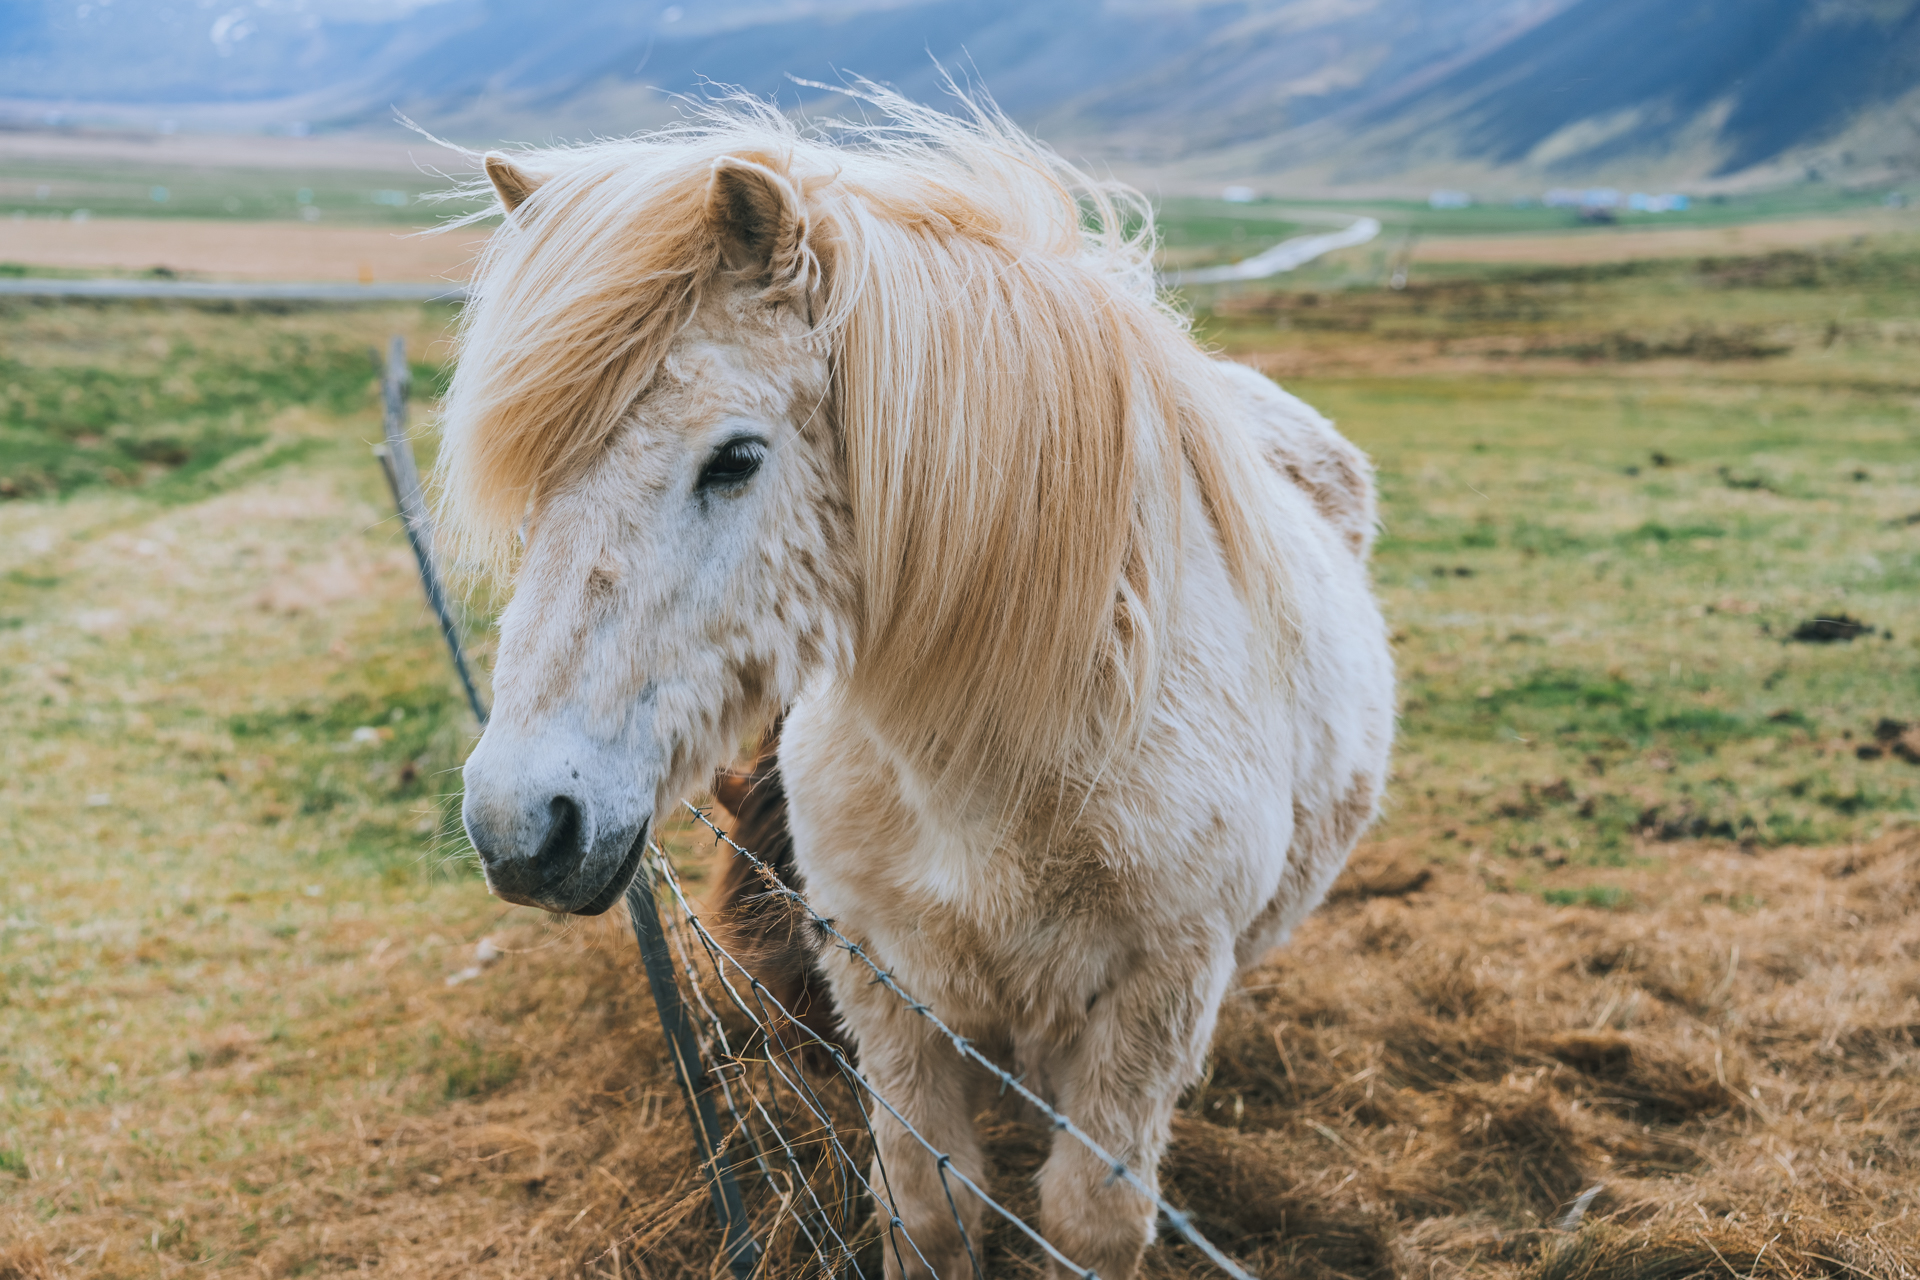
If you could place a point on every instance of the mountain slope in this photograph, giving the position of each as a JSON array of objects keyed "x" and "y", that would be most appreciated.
[
  {"x": 1362, "y": 89},
  {"x": 1774, "y": 74}
]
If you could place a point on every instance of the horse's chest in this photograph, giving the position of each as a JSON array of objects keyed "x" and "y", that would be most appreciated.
[
  {"x": 1002, "y": 931},
  {"x": 1019, "y": 936}
]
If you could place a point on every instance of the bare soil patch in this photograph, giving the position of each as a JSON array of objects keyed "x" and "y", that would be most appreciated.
[
  {"x": 1585, "y": 247},
  {"x": 239, "y": 250}
]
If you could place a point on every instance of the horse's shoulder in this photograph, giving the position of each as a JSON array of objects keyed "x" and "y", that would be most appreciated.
[{"x": 1302, "y": 445}]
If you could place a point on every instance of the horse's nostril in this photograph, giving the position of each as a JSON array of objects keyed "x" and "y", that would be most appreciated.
[
  {"x": 558, "y": 852},
  {"x": 563, "y": 832}
]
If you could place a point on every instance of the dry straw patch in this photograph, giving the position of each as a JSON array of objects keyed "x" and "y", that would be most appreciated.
[{"x": 1428, "y": 1083}]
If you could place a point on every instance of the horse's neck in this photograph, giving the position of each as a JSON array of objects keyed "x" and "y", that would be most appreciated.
[{"x": 1197, "y": 674}]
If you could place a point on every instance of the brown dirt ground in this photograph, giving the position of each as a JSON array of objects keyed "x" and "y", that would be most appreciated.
[
  {"x": 239, "y": 250},
  {"x": 1583, "y": 247}
]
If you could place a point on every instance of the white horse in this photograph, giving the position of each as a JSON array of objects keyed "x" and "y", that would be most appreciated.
[{"x": 1087, "y": 698}]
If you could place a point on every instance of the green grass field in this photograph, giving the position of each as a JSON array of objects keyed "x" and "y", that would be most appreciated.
[
  {"x": 1188, "y": 220},
  {"x": 1612, "y": 498},
  {"x": 52, "y": 189}
]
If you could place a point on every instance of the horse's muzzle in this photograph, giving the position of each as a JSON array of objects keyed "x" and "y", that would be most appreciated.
[
  {"x": 563, "y": 847},
  {"x": 563, "y": 875}
]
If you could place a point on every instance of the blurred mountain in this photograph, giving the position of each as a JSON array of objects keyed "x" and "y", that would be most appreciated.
[
  {"x": 1695, "y": 87},
  {"x": 1346, "y": 91}
]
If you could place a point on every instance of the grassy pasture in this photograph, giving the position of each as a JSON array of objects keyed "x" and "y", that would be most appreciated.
[
  {"x": 1190, "y": 219},
  {"x": 54, "y": 188},
  {"x": 1642, "y": 914}
]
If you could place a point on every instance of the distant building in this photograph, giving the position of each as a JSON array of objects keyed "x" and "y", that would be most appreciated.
[
  {"x": 1591, "y": 198},
  {"x": 1596, "y": 200},
  {"x": 1448, "y": 199},
  {"x": 1239, "y": 195}
]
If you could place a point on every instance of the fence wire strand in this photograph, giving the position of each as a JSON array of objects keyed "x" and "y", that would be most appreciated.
[
  {"x": 770, "y": 1022},
  {"x": 786, "y": 1120}
]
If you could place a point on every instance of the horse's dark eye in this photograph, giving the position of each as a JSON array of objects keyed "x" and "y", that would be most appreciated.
[{"x": 733, "y": 463}]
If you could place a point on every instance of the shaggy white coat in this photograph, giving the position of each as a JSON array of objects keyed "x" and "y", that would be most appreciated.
[{"x": 1088, "y": 696}]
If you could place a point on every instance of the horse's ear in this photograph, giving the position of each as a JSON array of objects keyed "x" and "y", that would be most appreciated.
[
  {"x": 761, "y": 222},
  {"x": 512, "y": 183}
]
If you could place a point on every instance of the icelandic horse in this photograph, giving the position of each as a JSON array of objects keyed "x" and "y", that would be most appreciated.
[{"x": 887, "y": 431}]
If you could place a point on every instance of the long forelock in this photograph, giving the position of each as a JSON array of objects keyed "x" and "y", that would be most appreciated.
[{"x": 1017, "y": 408}]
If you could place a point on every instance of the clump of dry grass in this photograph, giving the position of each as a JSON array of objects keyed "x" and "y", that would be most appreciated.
[
  {"x": 572, "y": 1154},
  {"x": 1442, "y": 1079},
  {"x": 1428, "y": 1084}
]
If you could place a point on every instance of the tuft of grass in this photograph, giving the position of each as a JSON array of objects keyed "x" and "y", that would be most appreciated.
[
  {"x": 481, "y": 1069},
  {"x": 1606, "y": 897}
]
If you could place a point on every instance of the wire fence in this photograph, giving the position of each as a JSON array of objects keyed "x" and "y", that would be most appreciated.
[
  {"x": 782, "y": 1115},
  {"x": 800, "y": 1112}
]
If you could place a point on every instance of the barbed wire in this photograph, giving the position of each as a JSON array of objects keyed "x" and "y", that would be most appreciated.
[
  {"x": 771, "y": 1020},
  {"x": 792, "y": 1075},
  {"x": 787, "y": 1078}
]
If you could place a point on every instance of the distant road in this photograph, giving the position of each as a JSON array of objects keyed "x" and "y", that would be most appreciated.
[
  {"x": 231, "y": 291},
  {"x": 1284, "y": 256}
]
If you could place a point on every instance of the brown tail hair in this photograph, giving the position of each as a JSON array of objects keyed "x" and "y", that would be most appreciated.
[{"x": 765, "y": 930}]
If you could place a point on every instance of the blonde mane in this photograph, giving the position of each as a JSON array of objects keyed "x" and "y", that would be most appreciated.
[{"x": 1017, "y": 408}]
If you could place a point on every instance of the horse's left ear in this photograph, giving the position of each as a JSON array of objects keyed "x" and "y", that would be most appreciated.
[
  {"x": 510, "y": 182},
  {"x": 761, "y": 222}
]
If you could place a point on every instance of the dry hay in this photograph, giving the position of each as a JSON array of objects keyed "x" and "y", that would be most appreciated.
[
  {"x": 582, "y": 1156},
  {"x": 1426, "y": 1086},
  {"x": 1422, "y": 1085},
  {"x": 1441, "y": 1079}
]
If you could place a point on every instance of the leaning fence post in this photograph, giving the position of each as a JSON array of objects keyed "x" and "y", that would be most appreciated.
[
  {"x": 741, "y": 1250},
  {"x": 403, "y": 477}
]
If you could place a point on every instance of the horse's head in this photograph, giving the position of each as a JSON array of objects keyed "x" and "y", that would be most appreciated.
[
  {"x": 682, "y": 577},
  {"x": 903, "y": 417}
]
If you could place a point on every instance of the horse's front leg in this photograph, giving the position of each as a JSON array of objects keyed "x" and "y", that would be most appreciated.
[
  {"x": 918, "y": 1071},
  {"x": 1144, "y": 1042}
]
